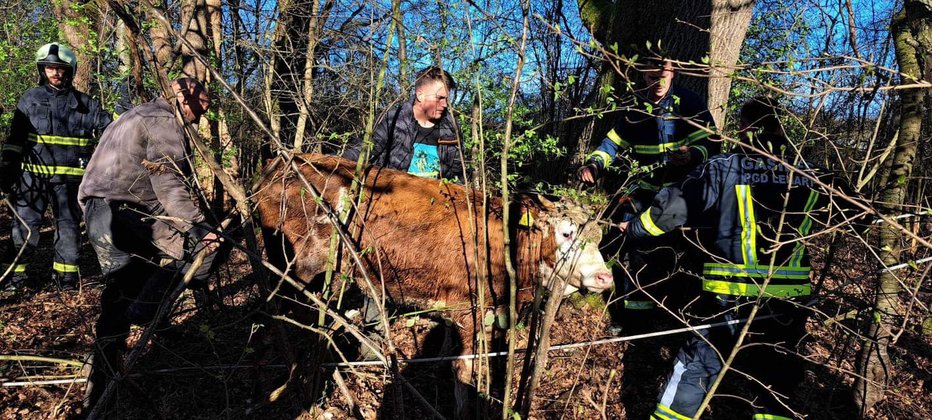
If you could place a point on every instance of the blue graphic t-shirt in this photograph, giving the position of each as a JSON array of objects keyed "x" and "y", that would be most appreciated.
[{"x": 425, "y": 161}]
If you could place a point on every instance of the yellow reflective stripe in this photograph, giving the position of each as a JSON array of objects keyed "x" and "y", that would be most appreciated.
[
  {"x": 756, "y": 271},
  {"x": 60, "y": 140},
  {"x": 649, "y": 224},
  {"x": 696, "y": 136},
  {"x": 770, "y": 417},
  {"x": 747, "y": 289},
  {"x": 804, "y": 228},
  {"x": 639, "y": 304},
  {"x": 666, "y": 413},
  {"x": 748, "y": 224},
  {"x": 64, "y": 268},
  {"x": 53, "y": 170},
  {"x": 602, "y": 156},
  {"x": 115, "y": 116},
  {"x": 19, "y": 268},
  {"x": 656, "y": 149},
  {"x": 615, "y": 138},
  {"x": 13, "y": 148}
]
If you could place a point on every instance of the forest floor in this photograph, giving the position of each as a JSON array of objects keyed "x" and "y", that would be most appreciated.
[{"x": 225, "y": 360}]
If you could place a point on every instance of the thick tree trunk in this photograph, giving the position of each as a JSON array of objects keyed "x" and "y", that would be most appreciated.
[
  {"x": 691, "y": 31},
  {"x": 194, "y": 29},
  {"x": 78, "y": 22},
  {"x": 730, "y": 20},
  {"x": 912, "y": 30}
]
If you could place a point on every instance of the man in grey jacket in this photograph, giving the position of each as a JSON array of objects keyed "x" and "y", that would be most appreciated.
[
  {"x": 142, "y": 218},
  {"x": 419, "y": 136}
]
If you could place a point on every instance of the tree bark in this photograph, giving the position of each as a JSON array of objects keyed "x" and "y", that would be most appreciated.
[
  {"x": 194, "y": 29},
  {"x": 289, "y": 48},
  {"x": 705, "y": 36},
  {"x": 912, "y": 30},
  {"x": 78, "y": 22}
]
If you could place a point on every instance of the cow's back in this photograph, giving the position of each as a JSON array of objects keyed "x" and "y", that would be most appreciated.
[{"x": 416, "y": 232}]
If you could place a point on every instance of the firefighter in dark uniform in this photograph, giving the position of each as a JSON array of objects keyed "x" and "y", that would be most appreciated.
[
  {"x": 52, "y": 136},
  {"x": 667, "y": 133},
  {"x": 752, "y": 213}
]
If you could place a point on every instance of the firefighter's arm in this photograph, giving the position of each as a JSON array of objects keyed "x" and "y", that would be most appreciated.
[
  {"x": 603, "y": 156},
  {"x": 667, "y": 212},
  {"x": 701, "y": 142}
]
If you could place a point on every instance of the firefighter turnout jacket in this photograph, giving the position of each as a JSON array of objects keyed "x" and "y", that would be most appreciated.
[
  {"x": 54, "y": 132},
  {"x": 647, "y": 132},
  {"x": 753, "y": 214}
]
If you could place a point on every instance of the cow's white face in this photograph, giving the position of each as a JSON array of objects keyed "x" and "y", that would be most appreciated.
[{"x": 578, "y": 260}]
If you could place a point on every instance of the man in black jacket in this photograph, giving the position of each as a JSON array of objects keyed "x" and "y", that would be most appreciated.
[
  {"x": 420, "y": 136},
  {"x": 53, "y": 133},
  {"x": 752, "y": 211}
]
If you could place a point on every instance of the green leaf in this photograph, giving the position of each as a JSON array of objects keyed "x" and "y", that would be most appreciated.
[
  {"x": 411, "y": 321},
  {"x": 705, "y": 59},
  {"x": 489, "y": 318},
  {"x": 502, "y": 321}
]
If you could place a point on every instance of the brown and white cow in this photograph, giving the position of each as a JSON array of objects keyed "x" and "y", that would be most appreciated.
[{"x": 419, "y": 237}]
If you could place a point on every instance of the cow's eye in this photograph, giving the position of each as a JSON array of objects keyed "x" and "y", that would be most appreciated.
[{"x": 568, "y": 235}]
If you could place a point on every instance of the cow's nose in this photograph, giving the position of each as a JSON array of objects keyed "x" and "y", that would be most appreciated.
[{"x": 604, "y": 279}]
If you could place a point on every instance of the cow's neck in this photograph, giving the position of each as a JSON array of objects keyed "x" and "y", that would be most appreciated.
[{"x": 531, "y": 249}]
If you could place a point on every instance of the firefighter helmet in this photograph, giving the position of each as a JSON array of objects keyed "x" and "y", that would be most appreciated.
[{"x": 55, "y": 53}]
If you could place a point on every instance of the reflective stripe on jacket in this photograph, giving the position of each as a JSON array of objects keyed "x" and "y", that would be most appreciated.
[
  {"x": 753, "y": 214},
  {"x": 55, "y": 131},
  {"x": 647, "y": 132}
]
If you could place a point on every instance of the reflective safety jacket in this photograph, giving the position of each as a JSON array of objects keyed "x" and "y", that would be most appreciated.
[
  {"x": 54, "y": 132},
  {"x": 753, "y": 215},
  {"x": 647, "y": 132}
]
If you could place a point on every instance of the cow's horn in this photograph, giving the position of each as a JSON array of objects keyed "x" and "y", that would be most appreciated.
[{"x": 547, "y": 204}]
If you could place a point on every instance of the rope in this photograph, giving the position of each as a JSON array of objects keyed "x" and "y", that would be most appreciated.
[{"x": 552, "y": 348}]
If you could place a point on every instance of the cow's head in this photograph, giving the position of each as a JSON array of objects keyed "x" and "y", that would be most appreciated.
[{"x": 576, "y": 238}]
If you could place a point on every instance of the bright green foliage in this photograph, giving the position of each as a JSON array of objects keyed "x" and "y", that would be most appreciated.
[{"x": 26, "y": 26}]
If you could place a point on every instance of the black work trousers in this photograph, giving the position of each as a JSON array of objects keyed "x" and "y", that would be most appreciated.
[
  {"x": 138, "y": 276},
  {"x": 32, "y": 198},
  {"x": 647, "y": 278},
  {"x": 769, "y": 355}
]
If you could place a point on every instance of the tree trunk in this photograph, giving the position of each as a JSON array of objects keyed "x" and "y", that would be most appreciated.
[
  {"x": 194, "y": 29},
  {"x": 692, "y": 32},
  {"x": 289, "y": 47},
  {"x": 912, "y": 30},
  {"x": 78, "y": 22},
  {"x": 314, "y": 29},
  {"x": 161, "y": 44},
  {"x": 730, "y": 20}
]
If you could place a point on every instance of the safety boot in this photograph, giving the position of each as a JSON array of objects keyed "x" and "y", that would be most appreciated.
[
  {"x": 67, "y": 282},
  {"x": 15, "y": 282}
]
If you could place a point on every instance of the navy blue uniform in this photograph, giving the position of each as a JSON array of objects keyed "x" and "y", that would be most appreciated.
[
  {"x": 646, "y": 133},
  {"x": 52, "y": 136},
  {"x": 752, "y": 214}
]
